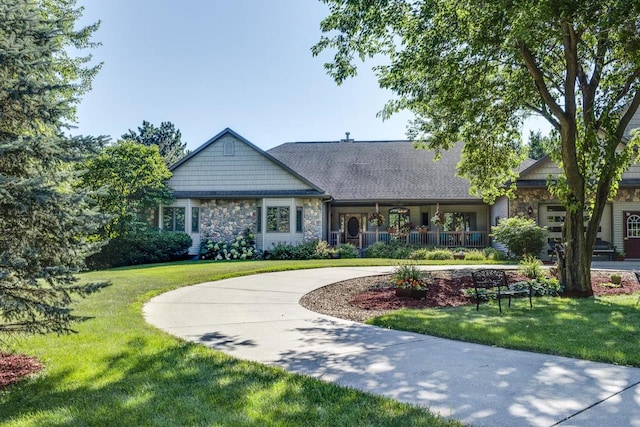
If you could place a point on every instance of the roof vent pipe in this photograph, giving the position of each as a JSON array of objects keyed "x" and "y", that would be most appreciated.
[{"x": 347, "y": 135}]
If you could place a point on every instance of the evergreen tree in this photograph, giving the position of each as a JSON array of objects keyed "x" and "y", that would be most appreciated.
[
  {"x": 43, "y": 220},
  {"x": 167, "y": 138},
  {"x": 540, "y": 146}
]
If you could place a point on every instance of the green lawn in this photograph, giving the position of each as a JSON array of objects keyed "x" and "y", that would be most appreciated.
[
  {"x": 120, "y": 371},
  {"x": 604, "y": 329}
]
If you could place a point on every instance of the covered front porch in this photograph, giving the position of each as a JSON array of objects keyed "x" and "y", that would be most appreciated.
[
  {"x": 426, "y": 224},
  {"x": 445, "y": 239}
]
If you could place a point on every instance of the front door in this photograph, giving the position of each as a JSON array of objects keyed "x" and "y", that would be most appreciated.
[
  {"x": 352, "y": 230},
  {"x": 632, "y": 234}
]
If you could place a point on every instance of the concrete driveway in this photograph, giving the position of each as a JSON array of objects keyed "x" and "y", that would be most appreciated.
[{"x": 258, "y": 318}]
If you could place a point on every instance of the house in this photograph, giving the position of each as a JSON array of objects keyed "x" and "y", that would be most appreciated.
[
  {"x": 620, "y": 224},
  {"x": 323, "y": 190},
  {"x": 332, "y": 191}
]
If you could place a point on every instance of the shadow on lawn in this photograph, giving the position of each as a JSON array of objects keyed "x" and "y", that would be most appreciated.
[{"x": 186, "y": 384}]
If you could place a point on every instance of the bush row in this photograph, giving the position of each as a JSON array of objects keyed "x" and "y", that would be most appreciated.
[
  {"x": 313, "y": 249},
  {"x": 398, "y": 250},
  {"x": 141, "y": 247}
]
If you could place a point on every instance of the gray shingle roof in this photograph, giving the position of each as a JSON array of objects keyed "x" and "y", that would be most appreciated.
[{"x": 376, "y": 170}]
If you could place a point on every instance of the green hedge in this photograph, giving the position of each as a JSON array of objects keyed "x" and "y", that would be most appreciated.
[{"x": 144, "y": 247}]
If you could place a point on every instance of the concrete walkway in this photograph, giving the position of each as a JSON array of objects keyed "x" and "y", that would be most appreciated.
[{"x": 258, "y": 318}]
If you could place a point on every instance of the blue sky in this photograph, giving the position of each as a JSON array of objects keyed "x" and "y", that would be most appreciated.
[{"x": 205, "y": 65}]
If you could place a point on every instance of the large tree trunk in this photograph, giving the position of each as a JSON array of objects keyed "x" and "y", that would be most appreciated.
[{"x": 575, "y": 268}]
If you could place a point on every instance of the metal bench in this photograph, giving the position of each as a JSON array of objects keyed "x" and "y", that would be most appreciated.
[
  {"x": 496, "y": 281},
  {"x": 602, "y": 247}
]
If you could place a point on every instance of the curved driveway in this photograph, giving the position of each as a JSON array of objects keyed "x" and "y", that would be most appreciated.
[{"x": 258, "y": 318}]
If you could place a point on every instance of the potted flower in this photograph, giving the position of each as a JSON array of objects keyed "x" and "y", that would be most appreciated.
[
  {"x": 409, "y": 281},
  {"x": 436, "y": 220},
  {"x": 423, "y": 229},
  {"x": 376, "y": 219},
  {"x": 405, "y": 228}
]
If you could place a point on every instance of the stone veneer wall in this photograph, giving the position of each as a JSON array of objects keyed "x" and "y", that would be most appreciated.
[
  {"x": 223, "y": 220},
  {"x": 533, "y": 197},
  {"x": 627, "y": 195},
  {"x": 312, "y": 219},
  {"x": 529, "y": 197}
]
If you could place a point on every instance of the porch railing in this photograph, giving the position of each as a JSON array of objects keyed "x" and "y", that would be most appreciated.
[{"x": 446, "y": 239}]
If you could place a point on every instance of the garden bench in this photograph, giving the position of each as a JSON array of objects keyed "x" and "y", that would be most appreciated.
[
  {"x": 602, "y": 247},
  {"x": 496, "y": 281}
]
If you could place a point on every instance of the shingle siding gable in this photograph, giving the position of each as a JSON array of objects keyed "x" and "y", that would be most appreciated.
[{"x": 246, "y": 170}]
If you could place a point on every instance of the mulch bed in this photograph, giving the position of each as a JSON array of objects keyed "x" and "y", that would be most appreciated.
[
  {"x": 13, "y": 367},
  {"x": 447, "y": 291}
]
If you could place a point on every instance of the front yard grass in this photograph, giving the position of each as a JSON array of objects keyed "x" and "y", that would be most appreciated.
[
  {"x": 603, "y": 329},
  {"x": 118, "y": 370}
]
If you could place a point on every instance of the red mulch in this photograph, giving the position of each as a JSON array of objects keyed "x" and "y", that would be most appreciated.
[
  {"x": 13, "y": 367},
  {"x": 446, "y": 292}
]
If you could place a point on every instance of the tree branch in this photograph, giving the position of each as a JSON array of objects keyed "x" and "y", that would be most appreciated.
[
  {"x": 538, "y": 78},
  {"x": 626, "y": 118},
  {"x": 546, "y": 115}
]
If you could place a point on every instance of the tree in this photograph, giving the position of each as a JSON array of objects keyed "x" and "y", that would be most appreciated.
[
  {"x": 166, "y": 137},
  {"x": 44, "y": 223},
  {"x": 473, "y": 73},
  {"x": 540, "y": 146},
  {"x": 129, "y": 180}
]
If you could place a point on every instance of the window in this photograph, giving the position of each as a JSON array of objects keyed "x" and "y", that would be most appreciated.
[
  {"x": 398, "y": 217},
  {"x": 459, "y": 221},
  {"x": 299, "y": 219},
  {"x": 195, "y": 220},
  {"x": 229, "y": 148},
  {"x": 173, "y": 219},
  {"x": 259, "y": 219},
  {"x": 278, "y": 219}
]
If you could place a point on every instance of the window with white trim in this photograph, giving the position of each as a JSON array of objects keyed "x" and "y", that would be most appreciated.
[
  {"x": 173, "y": 219},
  {"x": 278, "y": 219}
]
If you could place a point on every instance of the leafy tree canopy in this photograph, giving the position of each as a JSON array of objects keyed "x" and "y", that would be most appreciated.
[
  {"x": 473, "y": 72},
  {"x": 44, "y": 222},
  {"x": 129, "y": 179},
  {"x": 167, "y": 138}
]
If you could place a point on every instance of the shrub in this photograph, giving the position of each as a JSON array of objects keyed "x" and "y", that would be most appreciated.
[
  {"x": 141, "y": 247},
  {"x": 616, "y": 279},
  {"x": 540, "y": 287},
  {"x": 531, "y": 267},
  {"x": 439, "y": 254},
  {"x": 401, "y": 252},
  {"x": 520, "y": 235},
  {"x": 474, "y": 255},
  {"x": 494, "y": 254},
  {"x": 379, "y": 250},
  {"x": 242, "y": 247},
  {"x": 420, "y": 253},
  {"x": 312, "y": 249},
  {"x": 280, "y": 251},
  {"x": 346, "y": 250}
]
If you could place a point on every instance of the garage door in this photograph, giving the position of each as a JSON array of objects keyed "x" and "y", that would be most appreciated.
[{"x": 552, "y": 217}]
